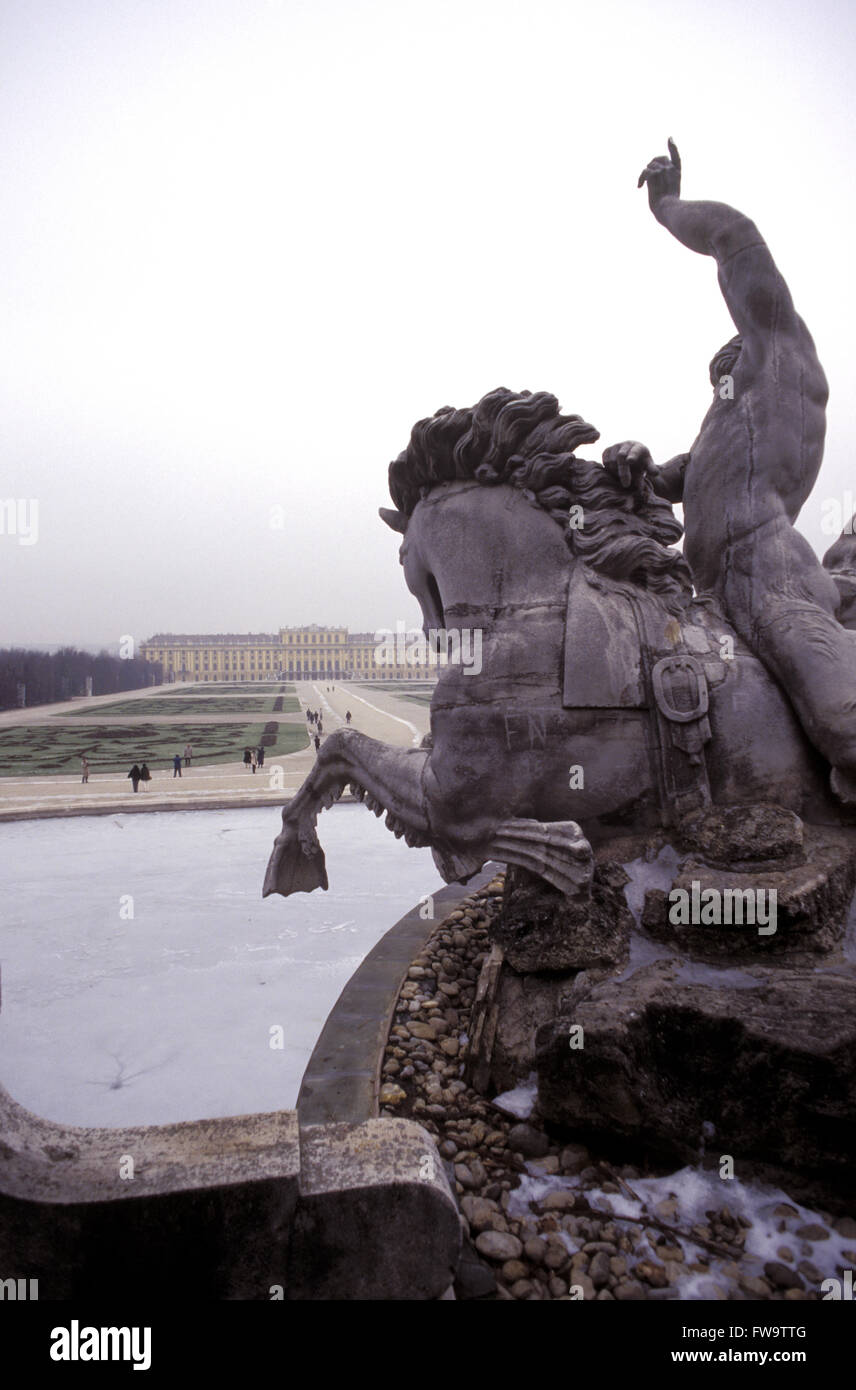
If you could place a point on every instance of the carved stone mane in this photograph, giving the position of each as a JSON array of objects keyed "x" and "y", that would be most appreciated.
[{"x": 522, "y": 439}]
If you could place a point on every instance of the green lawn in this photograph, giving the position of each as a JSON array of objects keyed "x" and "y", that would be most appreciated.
[
  {"x": 56, "y": 748},
  {"x": 419, "y": 692},
  {"x": 252, "y": 687},
  {"x": 184, "y": 705}
]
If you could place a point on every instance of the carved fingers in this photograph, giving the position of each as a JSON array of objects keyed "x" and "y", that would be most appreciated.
[
  {"x": 628, "y": 461},
  {"x": 663, "y": 174}
]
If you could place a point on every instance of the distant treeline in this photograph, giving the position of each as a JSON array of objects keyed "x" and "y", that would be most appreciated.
[{"x": 62, "y": 675}]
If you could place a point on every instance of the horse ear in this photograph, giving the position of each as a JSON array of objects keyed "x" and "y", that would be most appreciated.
[{"x": 396, "y": 520}]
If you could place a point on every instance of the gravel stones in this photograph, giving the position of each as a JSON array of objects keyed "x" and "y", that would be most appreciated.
[
  {"x": 557, "y": 1247},
  {"x": 527, "y": 1140},
  {"x": 813, "y": 1232},
  {"x": 499, "y": 1245},
  {"x": 599, "y": 1270},
  {"x": 781, "y": 1276}
]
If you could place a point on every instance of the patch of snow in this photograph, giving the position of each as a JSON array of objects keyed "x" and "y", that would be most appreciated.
[
  {"x": 521, "y": 1101},
  {"x": 660, "y": 872},
  {"x": 699, "y": 1191}
]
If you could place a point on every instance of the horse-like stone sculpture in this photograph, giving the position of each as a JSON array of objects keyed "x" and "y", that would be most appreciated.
[
  {"x": 684, "y": 721},
  {"x": 611, "y": 696},
  {"x": 564, "y": 721}
]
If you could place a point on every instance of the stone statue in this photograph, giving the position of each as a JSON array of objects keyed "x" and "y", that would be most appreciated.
[
  {"x": 750, "y": 471},
  {"x": 611, "y": 696},
  {"x": 687, "y": 721}
]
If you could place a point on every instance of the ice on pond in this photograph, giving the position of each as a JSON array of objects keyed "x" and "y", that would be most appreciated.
[{"x": 145, "y": 980}]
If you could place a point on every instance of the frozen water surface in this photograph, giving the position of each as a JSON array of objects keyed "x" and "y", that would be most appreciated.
[{"x": 109, "y": 1019}]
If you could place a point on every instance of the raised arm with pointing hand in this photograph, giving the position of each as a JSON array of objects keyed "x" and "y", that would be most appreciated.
[{"x": 751, "y": 468}]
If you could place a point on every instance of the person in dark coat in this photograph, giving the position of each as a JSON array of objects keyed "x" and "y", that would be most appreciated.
[
  {"x": 316, "y": 741},
  {"x": 145, "y": 776},
  {"x": 248, "y": 759},
  {"x": 176, "y": 765},
  {"x": 135, "y": 776},
  {"x": 261, "y": 755}
]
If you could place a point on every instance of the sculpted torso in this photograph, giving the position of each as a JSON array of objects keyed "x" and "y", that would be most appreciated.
[{"x": 757, "y": 454}]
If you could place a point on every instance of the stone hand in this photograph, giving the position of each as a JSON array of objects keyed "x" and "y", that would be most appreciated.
[
  {"x": 628, "y": 462},
  {"x": 663, "y": 175}
]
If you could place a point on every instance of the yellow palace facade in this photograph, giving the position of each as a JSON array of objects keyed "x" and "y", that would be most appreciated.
[{"x": 294, "y": 653}]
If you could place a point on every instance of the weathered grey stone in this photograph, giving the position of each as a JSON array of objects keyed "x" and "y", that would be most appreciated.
[
  {"x": 499, "y": 1246},
  {"x": 527, "y": 1140},
  {"x": 810, "y": 903},
  {"x": 234, "y": 1206},
  {"x": 573, "y": 1158},
  {"x": 781, "y": 1276},
  {"x": 812, "y": 1232},
  {"x": 845, "y": 1226},
  {"x": 473, "y": 1278},
  {"x": 557, "y": 1201},
  {"x": 744, "y": 837},
  {"x": 541, "y": 929},
  {"x": 765, "y": 1067},
  {"x": 523, "y": 1003}
]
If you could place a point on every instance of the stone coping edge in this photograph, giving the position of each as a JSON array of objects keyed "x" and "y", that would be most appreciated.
[
  {"x": 311, "y": 1202},
  {"x": 342, "y": 1078},
  {"x": 213, "y": 803}
]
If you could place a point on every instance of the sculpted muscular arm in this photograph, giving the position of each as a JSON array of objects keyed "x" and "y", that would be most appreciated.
[
  {"x": 774, "y": 350},
  {"x": 773, "y": 357},
  {"x": 750, "y": 470},
  {"x": 758, "y": 299}
]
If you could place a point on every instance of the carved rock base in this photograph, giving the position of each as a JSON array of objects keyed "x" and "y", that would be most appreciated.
[
  {"x": 540, "y": 929},
  {"x": 725, "y": 905},
  {"x": 681, "y": 1059}
]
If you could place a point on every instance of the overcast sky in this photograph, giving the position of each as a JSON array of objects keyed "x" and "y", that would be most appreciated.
[{"x": 245, "y": 245}]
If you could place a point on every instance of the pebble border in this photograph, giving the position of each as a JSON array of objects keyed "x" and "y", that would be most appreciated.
[{"x": 564, "y": 1248}]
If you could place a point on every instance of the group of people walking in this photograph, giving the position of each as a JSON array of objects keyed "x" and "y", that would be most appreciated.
[
  {"x": 254, "y": 757},
  {"x": 314, "y": 717},
  {"x": 137, "y": 775}
]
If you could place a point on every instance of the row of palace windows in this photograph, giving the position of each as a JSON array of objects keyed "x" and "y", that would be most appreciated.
[{"x": 271, "y": 661}]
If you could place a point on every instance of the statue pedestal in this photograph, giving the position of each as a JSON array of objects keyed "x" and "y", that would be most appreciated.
[
  {"x": 738, "y": 1041},
  {"x": 542, "y": 930}
]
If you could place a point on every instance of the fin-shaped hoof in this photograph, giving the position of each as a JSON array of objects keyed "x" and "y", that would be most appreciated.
[
  {"x": 556, "y": 850},
  {"x": 291, "y": 869}
]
